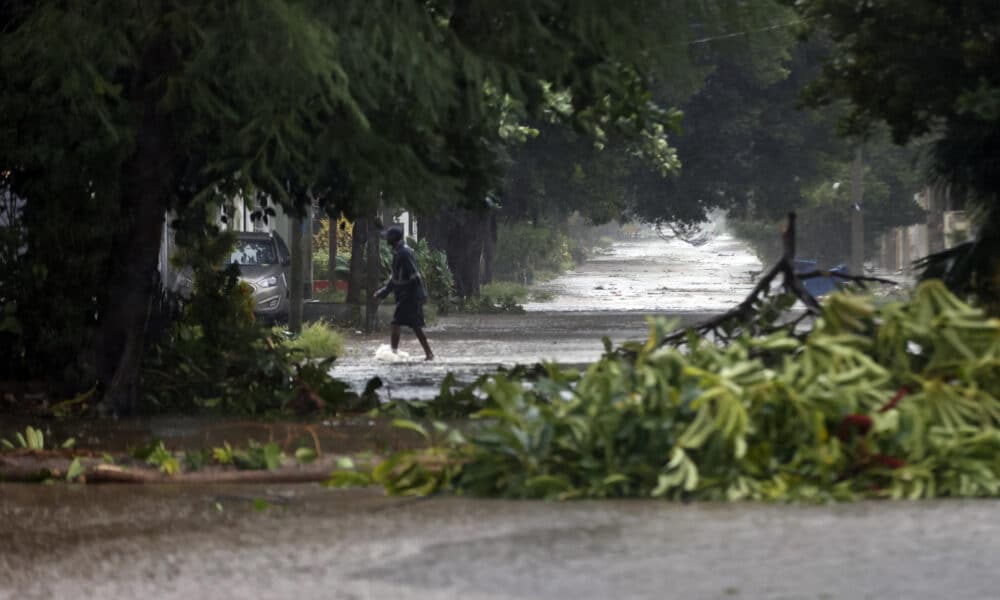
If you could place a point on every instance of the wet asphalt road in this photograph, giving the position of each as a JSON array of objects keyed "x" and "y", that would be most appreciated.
[{"x": 171, "y": 542}]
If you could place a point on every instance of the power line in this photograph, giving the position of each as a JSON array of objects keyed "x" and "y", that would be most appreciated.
[{"x": 747, "y": 32}]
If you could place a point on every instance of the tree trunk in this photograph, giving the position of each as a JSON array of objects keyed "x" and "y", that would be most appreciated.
[
  {"x": 371, "y": 277},
  {"x": 296, "y": 276},
  {"x": 307, "y": 253},
  {"x": 460, "y": 234},
  {"x": 331, "y": 271},
  {"x": 132, "y": 277},
  {"x": 857, "y": 265},
  {"x": 357, "y": 261},
  {"x": 489, "y": 247}
]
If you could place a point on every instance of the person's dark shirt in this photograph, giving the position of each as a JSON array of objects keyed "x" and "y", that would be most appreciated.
[{"x": 405, "y": 282}]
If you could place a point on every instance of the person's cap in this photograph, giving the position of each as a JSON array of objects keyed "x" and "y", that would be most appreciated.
[{"x": 393, "y": 234}]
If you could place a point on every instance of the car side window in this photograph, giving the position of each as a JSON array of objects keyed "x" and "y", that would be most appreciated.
[{"x": 283, "y": 253}]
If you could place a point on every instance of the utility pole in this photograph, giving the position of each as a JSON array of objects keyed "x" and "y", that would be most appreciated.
[
  {"x": 857, "y": 265},
  {"x": 295, "y": 288}
]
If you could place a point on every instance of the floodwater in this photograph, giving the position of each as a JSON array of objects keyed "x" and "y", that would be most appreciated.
[
  {"x": 652, "y": 274},
  {"x": 611, "y": 295}
]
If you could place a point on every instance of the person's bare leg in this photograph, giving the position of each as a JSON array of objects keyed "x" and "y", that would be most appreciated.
[
  {"x": 395, "y": 337},
  {"x": 428, "y": 355}
]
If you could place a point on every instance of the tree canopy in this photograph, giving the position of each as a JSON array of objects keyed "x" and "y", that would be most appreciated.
[
  {"x": 926, "y": 69},
  {"x": 114, "y": 114},
  {"x": 741, "y": 143}
]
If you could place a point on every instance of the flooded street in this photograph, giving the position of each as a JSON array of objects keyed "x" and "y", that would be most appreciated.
[
  {"x": 610, "y": 295},
  {"x": 306, "y": 541}
]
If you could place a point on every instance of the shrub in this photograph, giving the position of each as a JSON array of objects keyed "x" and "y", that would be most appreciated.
[
  {"x": 215, "y": 355},
  {"x": 321, "y": 262},
  {"x": 504, "y": 292},
  {"x": 496, "y": 297},
  {"x": 317, "y": 341},
  {"x": 438, "y": 279},
  {"x": 523, "y": 249}
]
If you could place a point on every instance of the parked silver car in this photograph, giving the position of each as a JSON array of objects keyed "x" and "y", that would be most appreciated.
[{"x": 264, "y": 262}]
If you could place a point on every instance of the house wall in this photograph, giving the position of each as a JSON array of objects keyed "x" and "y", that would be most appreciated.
[{"x": 946, "y": 225}]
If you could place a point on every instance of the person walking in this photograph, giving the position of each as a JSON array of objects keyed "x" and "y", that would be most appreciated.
[{"x": 407, "y": 284}]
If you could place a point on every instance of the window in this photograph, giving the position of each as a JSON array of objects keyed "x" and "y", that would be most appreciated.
[{"x": 254, "y": 252}]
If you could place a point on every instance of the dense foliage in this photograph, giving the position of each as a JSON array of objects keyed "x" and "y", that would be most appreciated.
[
  {"x": 113, "y": 115},
  {"x": 894, "y": 401},
  {"x": 926, "y": 69},
  {"x": 438, "y": 280},
  {"x": 743, "y": 144},
  {"x": 214, "y": 356}
]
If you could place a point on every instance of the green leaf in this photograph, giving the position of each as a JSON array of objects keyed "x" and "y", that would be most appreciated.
[
  {"x": 36, "y": 439},
  {"x": 614, "y": 478},
  {"x": 75, "y": 469},
  {"x": 547, "y": 485},
  {"x": 349, "y": 479},
  {"x": 272, "y": 456},
  {"x": 223, "y": 455},
  {"x": 411, "y": 425},
  {"x": 305, "y": 455}
]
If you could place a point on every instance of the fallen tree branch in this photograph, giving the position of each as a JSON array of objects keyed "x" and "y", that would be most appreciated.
[
  {"x": 39, "y": 466},
  {"x": 112, "y": 474},
  {"x": 745, "y": 316},
  {"x": 858, "y": 279},
  {"x": 690, "y": 234}
]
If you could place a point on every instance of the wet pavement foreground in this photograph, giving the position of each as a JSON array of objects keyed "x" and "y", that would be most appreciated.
[{"x": 310, "y": 542}]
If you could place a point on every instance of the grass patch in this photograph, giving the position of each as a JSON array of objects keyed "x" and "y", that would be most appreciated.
[
  {"x": 502, "y": 297},
  {"x": 500, "y": 291},
  {"x": 318, "y": 340},
  {"x": 496, "y": 297}
]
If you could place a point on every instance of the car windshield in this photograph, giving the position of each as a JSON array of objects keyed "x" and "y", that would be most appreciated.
[{"x": 254, "y": 252}]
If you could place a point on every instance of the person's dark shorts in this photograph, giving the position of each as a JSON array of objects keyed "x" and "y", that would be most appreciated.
[{"x": 409, "y": 314}]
